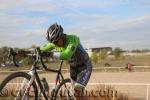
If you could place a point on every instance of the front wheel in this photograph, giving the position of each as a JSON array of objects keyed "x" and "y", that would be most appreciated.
[
  {"x": 15, "y": 87},
  {"x": 63, "y": 91}
]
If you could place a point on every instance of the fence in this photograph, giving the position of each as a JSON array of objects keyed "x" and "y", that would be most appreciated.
[
  {"x": 101, "y": 69},
  {"x": 120, "y": 69}
]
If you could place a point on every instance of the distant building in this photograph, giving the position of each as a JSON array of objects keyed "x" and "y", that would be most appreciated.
[{"x": 98, "y": 49}]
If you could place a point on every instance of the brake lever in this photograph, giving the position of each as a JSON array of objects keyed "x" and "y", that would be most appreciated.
[{"x": 38, "y": 54}]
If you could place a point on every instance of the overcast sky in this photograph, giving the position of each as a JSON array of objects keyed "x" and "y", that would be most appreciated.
[{"x": 98, "y": 23}]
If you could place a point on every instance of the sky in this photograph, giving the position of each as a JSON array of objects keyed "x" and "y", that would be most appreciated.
[{"x": 98, "y": 23}]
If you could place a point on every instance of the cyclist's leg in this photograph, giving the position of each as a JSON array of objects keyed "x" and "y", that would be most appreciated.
[
  {"x": 83, "y": 78},
  {"x": 80, "y": 76},
  {"x": 73, "y": 74},
  {"x": 84, "y": 75}
]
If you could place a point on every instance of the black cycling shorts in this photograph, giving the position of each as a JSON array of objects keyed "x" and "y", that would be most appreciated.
[{"x": 81, "y": 74}]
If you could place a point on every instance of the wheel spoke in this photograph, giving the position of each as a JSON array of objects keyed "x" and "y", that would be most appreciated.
[{"x": 20, "y": 87}]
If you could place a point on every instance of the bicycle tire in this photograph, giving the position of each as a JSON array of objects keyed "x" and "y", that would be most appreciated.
[
  {"x": 54, "y": 94},
  {"x": 18, "y": 75}
]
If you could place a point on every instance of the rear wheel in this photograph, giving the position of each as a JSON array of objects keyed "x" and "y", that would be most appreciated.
[
  {"x": 15, "y": 86},
  {"x": 63, "y": 91}
]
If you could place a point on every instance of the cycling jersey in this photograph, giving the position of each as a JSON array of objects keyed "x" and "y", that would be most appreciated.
[{"x": 73, "y": 50}]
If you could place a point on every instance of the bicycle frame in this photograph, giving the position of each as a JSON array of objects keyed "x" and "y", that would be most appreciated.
[{"x": 35, "y": 77}]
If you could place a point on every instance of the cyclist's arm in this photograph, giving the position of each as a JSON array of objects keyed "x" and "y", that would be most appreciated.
[
  {"x": 47, "y": 47},
  {"x": 68, "y": 51}
]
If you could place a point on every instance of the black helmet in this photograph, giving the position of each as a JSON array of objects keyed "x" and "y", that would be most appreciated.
[{"x": 54, "y": 32}]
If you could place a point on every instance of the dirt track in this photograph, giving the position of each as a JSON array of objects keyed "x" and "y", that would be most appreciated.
[{"x": 137, "y": 92}]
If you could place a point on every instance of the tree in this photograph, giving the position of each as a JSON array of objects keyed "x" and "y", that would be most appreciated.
[
  {"x": 27, "y": 61},
  {"x": 136, "y": 51},
  {"x": 94, "y": 57},
  {"x": 103, "y": 54},
  {"x": 117, "y": 52},
  {"x": 145, "y": 50},
  {"x": 3, "y": 54}
]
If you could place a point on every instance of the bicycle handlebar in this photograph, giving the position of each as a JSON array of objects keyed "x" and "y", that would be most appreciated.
[{"x": 37, "y": 54}]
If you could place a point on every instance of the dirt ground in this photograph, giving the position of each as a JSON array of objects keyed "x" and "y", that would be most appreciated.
[{"x": 138, "y": 91}]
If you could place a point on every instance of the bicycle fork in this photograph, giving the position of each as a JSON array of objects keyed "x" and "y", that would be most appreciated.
[
  {"x": 34, "y": 76},
  {"x": 24, "y": 83}
]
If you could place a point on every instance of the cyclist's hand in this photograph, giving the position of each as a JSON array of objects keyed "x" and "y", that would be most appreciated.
[
  {"x": 47, "y": 54},
  {"x": 51, "y": 54}
]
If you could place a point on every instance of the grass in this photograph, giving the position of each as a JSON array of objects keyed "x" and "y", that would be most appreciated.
[
  {"x": 136, "y": 60},
  {"x": 143, "y": 60},
  {"x": 53, "y": 65}
]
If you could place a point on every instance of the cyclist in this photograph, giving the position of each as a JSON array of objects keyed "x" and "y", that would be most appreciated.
[{"x": 68, "y": 47}]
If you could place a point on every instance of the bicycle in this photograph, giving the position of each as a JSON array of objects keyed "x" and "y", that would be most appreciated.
[{"x": 30, "y": 83}]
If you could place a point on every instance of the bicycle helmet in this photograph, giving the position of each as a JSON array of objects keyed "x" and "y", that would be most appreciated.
[{"x": 54, "y": 33}]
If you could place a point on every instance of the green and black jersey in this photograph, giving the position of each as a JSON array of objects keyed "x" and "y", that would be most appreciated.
[{"x": 72, "y": 51}]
